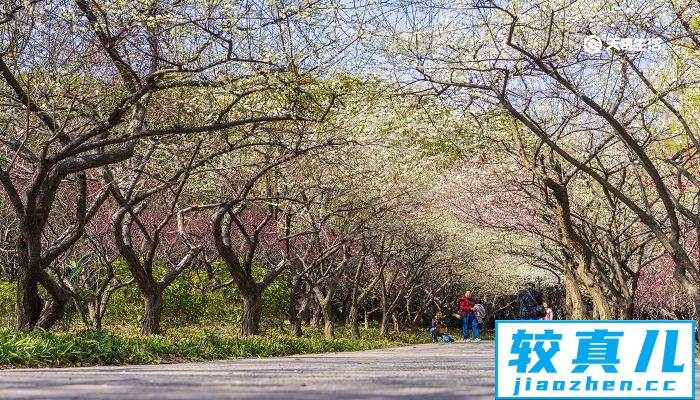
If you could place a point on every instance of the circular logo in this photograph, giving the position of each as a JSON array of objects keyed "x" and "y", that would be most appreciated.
[{"x": 592, "y": 44}]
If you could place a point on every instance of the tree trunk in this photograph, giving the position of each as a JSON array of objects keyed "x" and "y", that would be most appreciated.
[
  {"x": 95, "y": 314},
  {"x": 586, "y": 270},
  {"x": 395, "y": 321},
  {"x": 328, "y": 322},
  {"x": 294, "y": 320},
  {"x": 697, "y": 320},
  {"x": 153, "y": 307},
  {"x": 600, "y": 301},
  {"x": 626, "y": 310},
  {"x": 694, "y": 294},
  {"x": 601, "y": 307},
  {"x": 28, "y": 305},
  {"x": 315, "y": 321},
  {"x": 683, "y": 265},
  {"x": 366, "y": 320},
  {"x": 345, "y": 310},
  {"x": 54, "y": 308},
  {"x": 53, "y": 311},
  {"x": 252, "y": 310},
  {"x": 384, "y": 325},
  {"x": 575, "y": 309},
  {"x": 353, "y": 321},
  {"x": 295, "y": 328},
  {"x": 294, "y": 315}
]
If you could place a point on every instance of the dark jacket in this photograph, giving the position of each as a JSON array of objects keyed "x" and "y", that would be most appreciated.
[
  {"x": 438, "y": 322},
  {"x": 528, "y": 300}
]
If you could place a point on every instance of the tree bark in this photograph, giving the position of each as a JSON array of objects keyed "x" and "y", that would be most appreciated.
[
  {"x": 600, "y": 300},
  {"x": 153, "y": 307},
  {"x": 295, "y": 328},
  {"x": 52, "y": 312},
  {"x": 696, "y": 301},
  {"x": 294, "y": 319},
  {"x": 694, "y": 295},
  {"x": 353, "y": 321},
  {"x": 95, "y": 315},
  {"x": 575, "y": 308},
  {"x": 395, "y": 321},
  {"x": 28, "y": 305},
  {"x": 384, "y": 325},
  {"x": 585, "y": 270},
  {"x": 626, "y": 310},
  {"x": 252, "y": 310},
  {"x": 345, "y": 310},
  {"x": 315, "y": 321},
  {"x": 328, "y": 321},
  {"x": 58, "y": 297}
]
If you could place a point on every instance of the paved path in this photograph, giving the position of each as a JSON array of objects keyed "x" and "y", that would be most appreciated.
[{"x": 432, "y": 371}]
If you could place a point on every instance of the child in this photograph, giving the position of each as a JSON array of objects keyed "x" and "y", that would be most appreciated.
[{"x": 438, "y": 328}]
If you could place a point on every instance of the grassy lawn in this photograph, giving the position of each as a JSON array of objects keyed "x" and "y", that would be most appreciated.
[{"x": 104, "y": 347}]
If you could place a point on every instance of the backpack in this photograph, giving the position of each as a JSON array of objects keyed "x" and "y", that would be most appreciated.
[{"x": 480, "y": 312}]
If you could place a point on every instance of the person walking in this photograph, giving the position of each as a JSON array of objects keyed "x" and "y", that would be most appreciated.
[
  {"x": 467, "y": 313},
  {"x": 529, "y": 301}
]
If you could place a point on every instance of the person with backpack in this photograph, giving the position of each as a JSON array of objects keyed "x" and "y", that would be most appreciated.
[
  {"x": 530, "y": 302},
  {"x": 467, "y": 313}
]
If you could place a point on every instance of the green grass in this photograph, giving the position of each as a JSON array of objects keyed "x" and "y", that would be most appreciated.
[{"x": 102, "y": 347}]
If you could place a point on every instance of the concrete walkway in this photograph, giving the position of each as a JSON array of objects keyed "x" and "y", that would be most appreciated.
[{"x": 433, "y": 371}]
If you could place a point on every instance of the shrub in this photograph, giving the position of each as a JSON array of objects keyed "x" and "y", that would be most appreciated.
[{"x": 8, "y": 294}]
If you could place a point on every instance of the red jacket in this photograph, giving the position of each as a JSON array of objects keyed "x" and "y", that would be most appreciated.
[{"x": 465, "y": 306}]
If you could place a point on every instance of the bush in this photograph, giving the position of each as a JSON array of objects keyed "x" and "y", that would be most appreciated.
[{"x": 8, "y": 294}]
